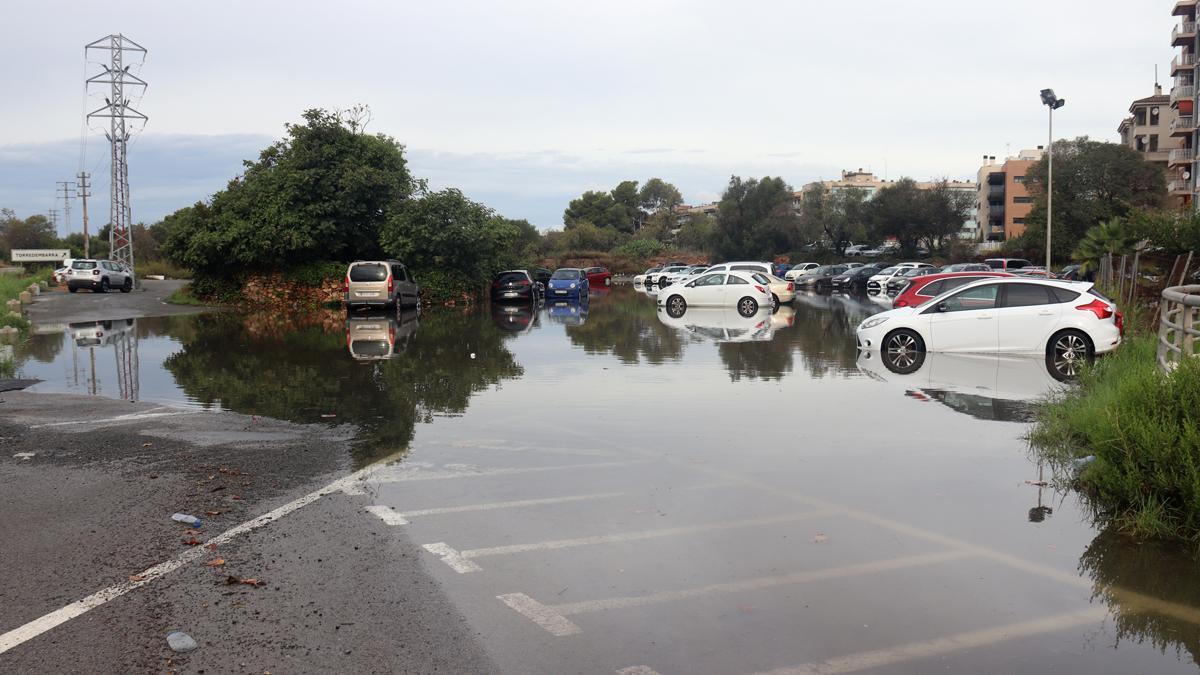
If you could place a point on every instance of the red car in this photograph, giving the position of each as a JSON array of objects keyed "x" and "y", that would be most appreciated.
[
  {"x": 598, "y": 277},
  {"x": 923, "y": 289}
]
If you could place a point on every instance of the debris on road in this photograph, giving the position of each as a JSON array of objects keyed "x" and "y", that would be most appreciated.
[
  {"x": 193, "y": 541},
  {"x": 215, "y": 563},
  {"x": 136, "y": 578},
  {"x": 233, "y": 581},
  {"x": 181, "y": 642},
  {"x": 24, "y": 455},
  {"x": 184, "y": 518}
]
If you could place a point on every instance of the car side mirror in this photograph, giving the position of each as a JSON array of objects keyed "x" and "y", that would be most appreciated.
[{"x": 943, "y": 307}]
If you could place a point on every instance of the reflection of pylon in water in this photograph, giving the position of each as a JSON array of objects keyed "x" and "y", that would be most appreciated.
[{"x": 125, "y": 345}]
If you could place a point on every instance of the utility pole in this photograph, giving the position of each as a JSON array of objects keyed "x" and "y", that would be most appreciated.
[
  {"x": 66, "y": 189},
  {"x": 117, "y": 110},
  {"x": 54, "y": 220},
  {"x": 84, "y": 194}
]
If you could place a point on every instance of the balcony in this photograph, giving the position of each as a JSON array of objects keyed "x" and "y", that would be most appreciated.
[
  {"x": 1184, "y": 8},
  {"x": 1179, "y": 187},
  {"x": 1182, "y": 63},
  {"x": 1181, "y": 156},
  {"x": 1183, "y": 125},
  {"x": 1183, "y": 34},
  {"x": 1183, "y": 92}
]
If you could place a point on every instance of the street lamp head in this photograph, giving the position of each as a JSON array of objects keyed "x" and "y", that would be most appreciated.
[
  {"x": 1059, "y": 103},
  {"x": 1048, "y": 97}
]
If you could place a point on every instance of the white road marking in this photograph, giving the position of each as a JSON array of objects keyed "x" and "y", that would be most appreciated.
[
  {"x": 453, "y": 558},
  {"x": 881, "y": 658},
  {"x": 460, "y": 557},
  {"x": 556, "y": 624},
  {"x": 24, "y": 455},
  {"x": 120, "y": 419},
  {"x": 507, "y": 505},
  {"x": 388, "y": 515},
  {"x": 451, "y": 471},
  {"x": 637, "y": 670},
  {"x": 22, "y": 634},
  {"x": 760, "y": 583}
]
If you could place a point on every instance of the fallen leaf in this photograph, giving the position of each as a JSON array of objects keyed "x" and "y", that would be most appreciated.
[
  {"x": 237, "y": 497},
  {"x": 192, "y": 542},
  {"x": 233, "y": 581},
  {"x": 215, "y": 563},
  {"x": 211, "y": 547},
  {"x": 212, "y": 513},
  {"x": 136, "y": 578}
]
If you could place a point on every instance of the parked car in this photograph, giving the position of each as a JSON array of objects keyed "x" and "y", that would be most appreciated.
[
  {"x": 99, "y": 276},
  {"x": 800, "y": 270},
  {"x": 640, "y": 279},
  {"x": 567, "y": 282},
  {"x": 660, "y": 276},
  {"x": 782, "y": 290},
  {"x": 822, "y": 277},
  {"x": 599, "y": 277},
  {"x": 781, "y": 269},
  {"x": 905, "y": 277},
  {"x": 852, "y": 265},
  {"x": 1069, "y": 322},
  {"x": 717, "y": 289},
  {"x": 967, "y": 267},
  {"x": 379, "y": 283},
  {"x": 856, "y": 250},
  {"x": 853, "y": 279},
  {"x": 681, "y": 276},
  {"x": 541, "y": 275},
  {"x": 743, "y": 266},
  {"x": 876, "y": 283},
  {"x": 1037, "y": 271},
  {"x": 516, "y": 285},
  {"x": 876, "y": 252},
  {"x": 1071, "y": 272},
  {"x": 1007, "y": 264},
  {"x": 912, "y": 264},
  {"x": 924, "y": 289}
]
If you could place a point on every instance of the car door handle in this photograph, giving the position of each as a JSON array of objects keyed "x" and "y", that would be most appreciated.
[
  {"x": 984, "y": 318},
  {"x": 1045, "y": 313}
]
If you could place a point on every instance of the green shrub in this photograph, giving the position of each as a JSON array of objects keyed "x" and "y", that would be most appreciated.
[
  {"x": 15, "y": 321},
  {"x": 1143, "y": 428},
  {"x": 440, "y": 286},
  {"x": 184, "y": 296},
  {"x": 164, "y": 268},
  {"x": 640, "y": 248},
  {"x": 316, "y": 273}
]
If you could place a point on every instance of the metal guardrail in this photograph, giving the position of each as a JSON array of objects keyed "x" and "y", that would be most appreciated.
[
  {"x": 1183, "y": 122},
  {"x": 1183, "y": 61},
  {"x": 1184, "y": 28},
  {"x": 1179, "y": 325},
  {"x": 1183, "y": 92}
]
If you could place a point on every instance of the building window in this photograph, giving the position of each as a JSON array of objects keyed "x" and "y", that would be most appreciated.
[
  {"x": 1018, "y": 221},
  {"x": 1139, "y": 117},
  {"x": 1018, "y": 179},
  {"x": 1154, "y": 142},
  {"x": 1022, "y": 200},
  {"x": 1154, "y": 117},
  {"x": 1139, "y": 143}
]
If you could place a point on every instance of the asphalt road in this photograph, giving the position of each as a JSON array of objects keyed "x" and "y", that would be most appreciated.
[{"x": 96, "y": 574}]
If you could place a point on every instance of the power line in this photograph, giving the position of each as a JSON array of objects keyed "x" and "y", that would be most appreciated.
[{"x": 118, "y": 111}]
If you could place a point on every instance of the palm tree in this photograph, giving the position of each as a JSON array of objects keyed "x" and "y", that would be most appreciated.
[{"x": 1109, "y": 237}]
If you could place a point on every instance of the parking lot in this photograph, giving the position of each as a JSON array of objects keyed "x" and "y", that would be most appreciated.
[{"x": 601, "y": 490}]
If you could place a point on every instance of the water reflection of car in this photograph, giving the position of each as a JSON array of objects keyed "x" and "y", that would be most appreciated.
[
  {"x": 379, "y": 335},
  {"x": 567, "y": 282},
  {"x": 784, "y": 317},
  {"x": 992, "y": 387},
  {"x": 722, "y": 324},
  {"x": 737, "y": 289},
  {"x": 99, "y": 333},
  {"x": 514, "y": 318},
  {"x": 570, "y": 313}
]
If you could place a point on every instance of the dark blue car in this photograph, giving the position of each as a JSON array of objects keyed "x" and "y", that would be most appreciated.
[{"x": 567, "y": 282}]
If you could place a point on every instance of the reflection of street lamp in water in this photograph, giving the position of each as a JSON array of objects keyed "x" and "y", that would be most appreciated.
[{"x": 1039, "y": 513}]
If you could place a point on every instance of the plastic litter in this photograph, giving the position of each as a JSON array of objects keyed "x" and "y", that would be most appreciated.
[
  {"x": 1082, "y": 463},
  {"x": 184, "y": 518},
  {"x": 181, "y": 642}
]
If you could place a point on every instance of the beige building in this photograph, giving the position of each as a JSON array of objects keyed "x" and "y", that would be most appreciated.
[
  {"x": 1148, "y": 129},
  {"x": 1003, "y": 202},
  {"x": 1182, "y": 101},
  {"x": 871, "y": 184}
]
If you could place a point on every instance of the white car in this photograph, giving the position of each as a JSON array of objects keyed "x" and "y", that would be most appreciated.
[
  {"x": 682, "y": 275},
  {"x": 800, "y": 270},
  {"x": 661, "y": 276},
  {"x": 640, "y": 279},
  {"x": 856, "y": 250},
  {"x": 99, "y": 276},
  {"x": 782, "y": 290},
  {"x": 722, "y": 324},
  {"x": 717, "y": 289},
  {"x": 744, "y": 266},
  {"x": 879, "y": 281},
  {"x": 1068, "y": 321}
]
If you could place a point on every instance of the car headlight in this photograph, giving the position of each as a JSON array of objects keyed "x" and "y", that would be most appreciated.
[
  {"x": 572, "y": 285},
  {"x": 872, "y": 322}
]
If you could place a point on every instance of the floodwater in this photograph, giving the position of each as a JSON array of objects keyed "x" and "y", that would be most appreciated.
[{"x": 601, "y": 488}]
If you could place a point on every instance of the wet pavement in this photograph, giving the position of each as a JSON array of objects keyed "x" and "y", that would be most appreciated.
[{"x": 600, "y": 488}]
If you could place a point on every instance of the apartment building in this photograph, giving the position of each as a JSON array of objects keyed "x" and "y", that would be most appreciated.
[
  {"x": 1182, "y": 101},
  {"x": 1150, "y": 128},
  {"x": 1003, "y": 202},
  {"x": 872, "y": 184}
]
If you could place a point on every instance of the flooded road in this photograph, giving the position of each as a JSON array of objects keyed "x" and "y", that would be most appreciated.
[{"x": 601, "y": 488}]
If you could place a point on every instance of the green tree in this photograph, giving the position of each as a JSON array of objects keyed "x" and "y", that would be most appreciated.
[
  {"x": 1093, "y": 182},
  {"x": 900, "y": 210},
  {"x": 36, "y": 231},
  {"x": 839, "y": 217},
  {"x": 321, "y": 193},
  {"x": 627, "y": 196},
  {"x": 658, "y": 195},
  {"x": 599, "y": 209},
  {"x": 945, "y": 212},
  {"x": 447, "y": 231},
  {"x": 697, "y": 232},
  {"x": 1171, "y": 232},
  {"x": 587, "y": 237},
  {"x": 1113, "y": 237},
  {"x": 755, "y": 219}
]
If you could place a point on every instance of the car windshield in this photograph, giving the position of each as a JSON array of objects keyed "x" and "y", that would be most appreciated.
[
  {"x": 373, "y": 272},
  {"x": 84, "y": 265},
  {"x": 889, "y": 270},
  {"x": 566, "y": 274}
]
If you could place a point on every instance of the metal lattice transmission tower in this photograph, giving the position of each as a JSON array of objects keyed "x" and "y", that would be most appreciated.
[
  {"x": 66, "y": 189},
  {"x": 117, "y": 110}
]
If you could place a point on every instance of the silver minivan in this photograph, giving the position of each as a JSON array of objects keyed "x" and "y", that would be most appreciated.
[{"x": 379, "y": 283}]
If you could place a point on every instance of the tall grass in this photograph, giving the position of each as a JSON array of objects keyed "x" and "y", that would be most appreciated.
[
  {"x": 1143, "y": 429},
  {"x": 11, "y": 285}
]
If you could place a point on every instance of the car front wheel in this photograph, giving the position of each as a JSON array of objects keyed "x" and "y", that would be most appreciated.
[
  {"x": 676, "y": 306},
  {"x": 747, "y": 307},
  {"x": 902, "y": 346},
  {"x": 1067, "y": 351}
]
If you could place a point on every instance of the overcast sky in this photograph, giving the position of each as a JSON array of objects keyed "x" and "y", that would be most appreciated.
[{"x": 523, "y": 104}]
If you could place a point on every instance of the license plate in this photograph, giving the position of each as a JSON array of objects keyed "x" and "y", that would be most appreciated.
[
  {"x": 510, "y": 294},
  {"x": 369, "y": 326},
  {"x": 561, "y": 292},
  {"x": 368, "y": 294}
]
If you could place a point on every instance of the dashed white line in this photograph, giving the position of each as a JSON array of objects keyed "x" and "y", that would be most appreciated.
[
  {"x": 453, "y": 558},
  {"x": 32, "y": 629},
  {"x": 641, "y": 535},
  {"x": 467, "y": 471},
  {"x": 388, "y": 515},
  {"x": 637, "y": 670},
  {"x": 120, "y": 419},
  {"x": 507, "y": 505},
  {"x": 941, "y": 646},
  {"x": 556, "y": 624}
]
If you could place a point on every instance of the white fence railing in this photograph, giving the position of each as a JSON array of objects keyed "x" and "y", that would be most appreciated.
[{"x": 1179, "y": 325}]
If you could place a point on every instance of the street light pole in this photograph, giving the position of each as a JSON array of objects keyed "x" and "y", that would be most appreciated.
[{"x": 1053, "y": 103}]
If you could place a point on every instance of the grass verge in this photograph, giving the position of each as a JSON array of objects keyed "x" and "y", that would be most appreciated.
[
  {"x": 184, "y": 296},
  {"x": 1143, "y": 429}
]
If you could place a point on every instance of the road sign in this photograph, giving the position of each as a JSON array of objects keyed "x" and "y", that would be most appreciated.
[{"x": 40, "y": 255}]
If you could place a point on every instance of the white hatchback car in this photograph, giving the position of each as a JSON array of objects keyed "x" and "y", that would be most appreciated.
[
  {"x": 717, "y": 289},
  {"x": 800, "y": 270},
  {"x": 1069, "y": 322}
]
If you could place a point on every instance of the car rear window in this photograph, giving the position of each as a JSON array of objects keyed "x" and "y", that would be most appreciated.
[
  {"x": 510, "y": 277},
  {"x": 750, "y": 268},
  {"x": 1066, "y": 295},
  {"x": 369, "y": 273},
  {"x": 83, "y": 265},
  {"x": 370, "y": 347}
]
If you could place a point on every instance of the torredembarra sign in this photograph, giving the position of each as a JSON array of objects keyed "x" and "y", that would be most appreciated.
[{"x": 40, "y": 255}]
